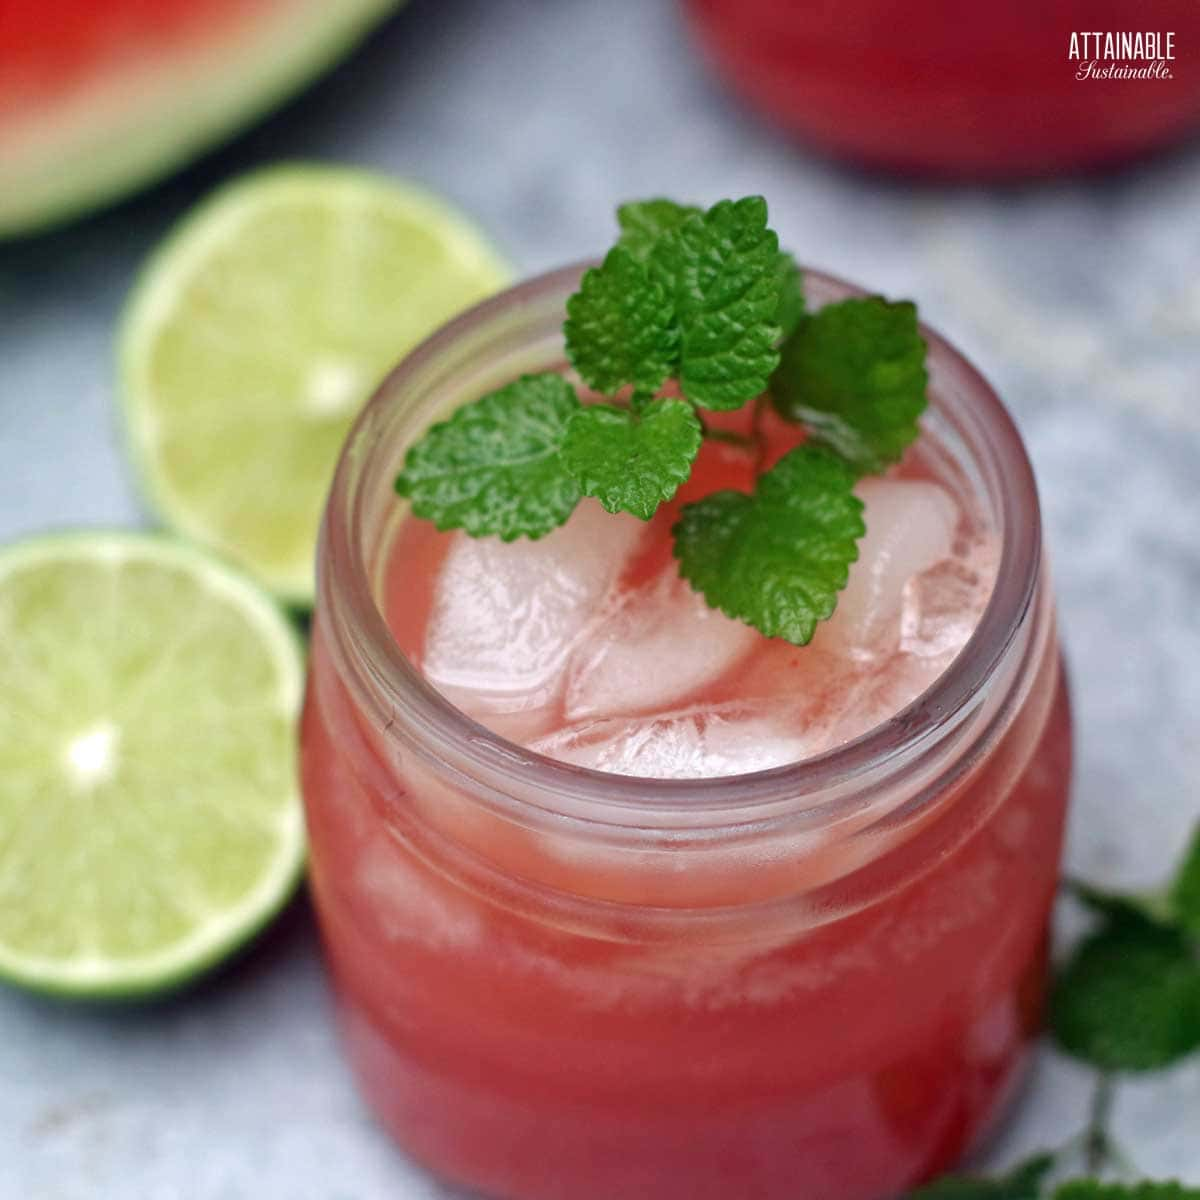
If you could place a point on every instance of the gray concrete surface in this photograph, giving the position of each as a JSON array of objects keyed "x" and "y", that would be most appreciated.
[{"x": 1081, "y": 301}]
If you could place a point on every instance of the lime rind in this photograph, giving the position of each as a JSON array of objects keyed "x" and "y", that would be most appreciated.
[
  {"x": 162, "y": 285},
  {"x": 221, "y": 930},
  {"x": 99, "y": 978}
]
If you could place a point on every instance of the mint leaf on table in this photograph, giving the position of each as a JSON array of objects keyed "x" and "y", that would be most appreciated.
[
  {"x": 494, "y": 467},
  {"x": 620, "y": 327},
  {"x": 1123, "y": 908},
  {"x": 1184, "y": 896},
  {"x": 721, "y": 273},
  {"x": 1129, "y": 997},
  {"x": 1023, "y": 1182},
  {"x": 778, "y": 558},
  {"x": 854, "y": 373},
  {"x": 644, "y": 222},
  {"x": 631, "y": 462},
  {"x": 1093, "y": 1189}
]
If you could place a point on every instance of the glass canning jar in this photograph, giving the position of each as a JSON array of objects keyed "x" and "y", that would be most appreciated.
[{"x": 558, "y": 984}]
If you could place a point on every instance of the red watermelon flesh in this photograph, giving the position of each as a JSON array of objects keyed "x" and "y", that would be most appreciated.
[{"x": 98, "y": 96}]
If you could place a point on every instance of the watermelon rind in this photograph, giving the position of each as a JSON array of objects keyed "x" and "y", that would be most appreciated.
[{"x": 122, "y": 133}]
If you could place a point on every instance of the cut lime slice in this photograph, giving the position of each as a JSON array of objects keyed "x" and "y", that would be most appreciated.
[
  {"x": 150, "y": 819},
  {"x": 257, "y": 332}
]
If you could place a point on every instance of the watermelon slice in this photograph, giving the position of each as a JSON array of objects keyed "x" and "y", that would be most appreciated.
[{"x": 98, "y": 97}]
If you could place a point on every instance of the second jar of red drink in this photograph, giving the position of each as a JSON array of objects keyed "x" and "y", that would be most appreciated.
[
  {"x": 820, "y": 979},
  {"x": 983, "y": 91}
]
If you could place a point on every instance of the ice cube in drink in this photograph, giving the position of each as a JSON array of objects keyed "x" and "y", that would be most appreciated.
[{"x": 587, "y": 645}]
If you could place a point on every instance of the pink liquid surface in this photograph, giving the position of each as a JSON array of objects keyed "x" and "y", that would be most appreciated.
[
  {"x": 516, "y": 1047},
  {"x": 588, "y": 646}
]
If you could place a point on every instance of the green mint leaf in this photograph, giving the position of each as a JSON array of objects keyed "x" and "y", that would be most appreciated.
[
  {"x": 970, "y": 1187},
  {"x": 1093, "y": 1189},
  {"x": 619, "y": 327},
  {"x": 1184, "y": 897},
  {"x": 791, "y": 294},
  {"x": 1129, "y": 997},
  {"x": 721, "y": 272},
  {"x": 1123, "y": 908},
  {"x": 854, "y": 373},
  {"x": 776, "y": 559},
  {"x": 1024, "y": 1182},
  {"x": 631, "y": 462},
  {"x": 644, "y": 222},
  {"x": 1032, "y": 1173},
  {"x": 494, "y": 467}
]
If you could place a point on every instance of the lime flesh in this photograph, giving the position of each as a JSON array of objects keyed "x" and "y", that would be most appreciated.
[
  {"x": 256, "y": 334},
  {"x": 150, "y": 819}
]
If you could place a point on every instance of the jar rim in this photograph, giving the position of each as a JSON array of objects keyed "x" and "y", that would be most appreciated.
[{"x": 513, "y": 774}]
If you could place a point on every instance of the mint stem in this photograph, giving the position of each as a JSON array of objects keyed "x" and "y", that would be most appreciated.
[
  {"x": 1101, "y": 1151},
  {"x": 728, "y": 436},
  {"x": 741, "y": 440},
  {"x": 760, "y": 436},
  {"x": 1097, "y": 1146}
]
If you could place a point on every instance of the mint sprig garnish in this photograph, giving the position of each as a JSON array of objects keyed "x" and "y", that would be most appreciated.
[
  {"x": 703, "y": 300},
  {"x": 494, "y": 467},
  {"x": 776, "y": 559},
  {"x": 632, "y": 461},
  {"x": 854, "y": 373}
]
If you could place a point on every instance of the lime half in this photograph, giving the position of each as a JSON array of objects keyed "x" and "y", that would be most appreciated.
[
  {"x": 255, "y": 335},
  {"x": 150, "y": 819}
]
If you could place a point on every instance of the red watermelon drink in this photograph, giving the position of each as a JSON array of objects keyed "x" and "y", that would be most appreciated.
[
  {"x": 623, "y": 897},
  {"x": 990, "y": 92}
]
